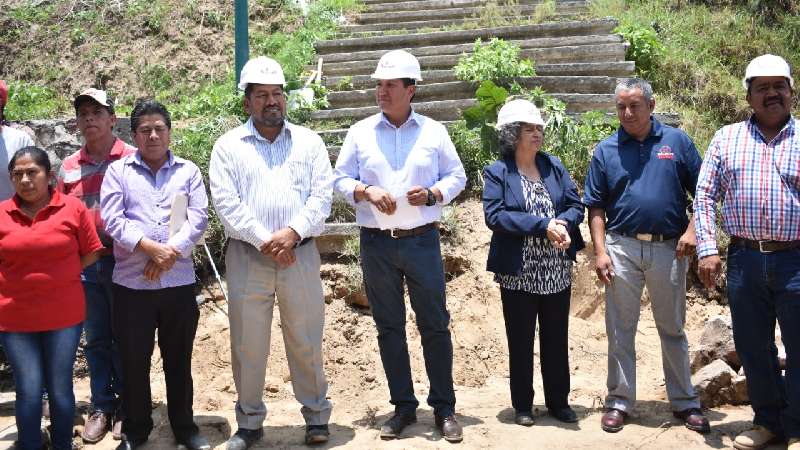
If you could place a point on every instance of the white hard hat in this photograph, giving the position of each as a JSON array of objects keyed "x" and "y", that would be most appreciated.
[
  {"x": 397, "y": 64},
  {"x": 519, "y": 111},
  {"x": 261, "y": 70},
  {"x": 767, "y": 66}
]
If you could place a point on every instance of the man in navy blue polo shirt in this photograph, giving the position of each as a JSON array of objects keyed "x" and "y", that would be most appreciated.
[{"x": 636, "y": 193}]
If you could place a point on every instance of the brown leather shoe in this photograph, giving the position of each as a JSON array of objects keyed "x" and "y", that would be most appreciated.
[
  {"x": 613, "y": 420},
  {"x": 694, "y": 419},
  {"x": 450, "y": 428},
  {"x": 96, "y": 427}
]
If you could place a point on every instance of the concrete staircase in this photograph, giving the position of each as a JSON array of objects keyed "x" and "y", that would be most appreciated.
[{"x": 578, "y": 61}]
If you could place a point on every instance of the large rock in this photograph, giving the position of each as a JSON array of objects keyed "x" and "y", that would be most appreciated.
[
  {"x": 716, "y": 342},
  {"x": 714, "y": 384}
]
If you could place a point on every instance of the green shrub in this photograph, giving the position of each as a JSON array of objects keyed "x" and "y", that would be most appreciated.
[
  {"x": 645, "y": 48},
  {"x": 30, "y": 101},
  {"x": 471, "y": 152},
  {"x": 495, "y": 60}
]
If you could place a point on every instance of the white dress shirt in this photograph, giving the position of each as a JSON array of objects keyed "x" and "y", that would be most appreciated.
[
  {"x": 417, "y": 153},
  {"x": 259, "y": 187}
]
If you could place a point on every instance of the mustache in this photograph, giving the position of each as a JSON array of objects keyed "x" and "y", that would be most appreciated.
[{"x": 770, "y": 100}]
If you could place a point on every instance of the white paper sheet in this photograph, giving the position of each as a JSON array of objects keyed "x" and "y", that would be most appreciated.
[
  {"x": 177, "y": 215},
  {"x": 405, "y": 216}
]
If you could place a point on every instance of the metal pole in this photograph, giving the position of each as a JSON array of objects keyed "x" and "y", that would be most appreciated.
[{"x": 241, "y": 45}]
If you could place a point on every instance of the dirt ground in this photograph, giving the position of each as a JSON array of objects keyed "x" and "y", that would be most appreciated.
[{"x": 360, "y": 396}]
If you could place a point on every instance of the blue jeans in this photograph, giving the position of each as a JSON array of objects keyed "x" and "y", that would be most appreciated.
[
  {"x": 101, "y": 347},
  {"x": 763, "y": 287},
  {"x": 386, "y": 263},
  {"x": 39, "y": 358}
]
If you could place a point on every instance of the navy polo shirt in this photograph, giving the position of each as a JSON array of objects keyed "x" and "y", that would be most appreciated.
[{"x": 642, "y": 186}]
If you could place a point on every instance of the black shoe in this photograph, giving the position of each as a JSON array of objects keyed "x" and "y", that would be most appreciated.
[
  {"x": 524, "y": 418},
  {"x": 392, "y": 428},
  {"x": 450, "y": 428},
  {"x": 565, "y": 414},
  {"x": 195, "y": 442},
  {"x": 317, "y": 434},
  {"x": 130, "y": 444},
  {"x": 244, "y": 438}
]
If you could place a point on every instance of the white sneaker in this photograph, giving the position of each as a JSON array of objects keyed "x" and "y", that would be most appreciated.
[
  {"x": 794, "y": 444},
  {"x": 754, "y": 439}
]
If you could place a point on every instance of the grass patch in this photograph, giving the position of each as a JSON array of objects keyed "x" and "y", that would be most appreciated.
[{"x": 706, "y": 45}]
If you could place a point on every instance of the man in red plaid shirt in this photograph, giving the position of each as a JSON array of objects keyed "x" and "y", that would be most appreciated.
[{"x": 753, "y": 169}]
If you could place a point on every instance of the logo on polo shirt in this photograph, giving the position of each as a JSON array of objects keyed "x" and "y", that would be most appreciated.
[{"x": 665, "y": 153}]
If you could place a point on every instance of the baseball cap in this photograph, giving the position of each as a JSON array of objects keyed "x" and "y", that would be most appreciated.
[{"x": 97, "y": 95}]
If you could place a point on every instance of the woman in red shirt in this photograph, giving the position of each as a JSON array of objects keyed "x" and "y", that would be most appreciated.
[{"x": 45, "y": 240}]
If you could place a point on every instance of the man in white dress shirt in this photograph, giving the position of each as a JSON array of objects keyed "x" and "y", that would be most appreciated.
[
  {"x": 389, "y": 161},
  {"x": 271, "y": 187}
]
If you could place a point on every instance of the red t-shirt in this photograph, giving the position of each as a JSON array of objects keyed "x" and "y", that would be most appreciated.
[{"x": 40, "y": 266}]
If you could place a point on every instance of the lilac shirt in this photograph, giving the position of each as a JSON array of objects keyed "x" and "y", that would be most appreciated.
[{"x": 135, "y": 204}]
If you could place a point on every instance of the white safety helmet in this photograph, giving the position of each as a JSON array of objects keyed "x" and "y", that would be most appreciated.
[
  {"x": 261, "y": 70},
  {"x": 397, "y": 64},
  {"x": 767, "y": 66},
  {"x": 519, "y": 111}
]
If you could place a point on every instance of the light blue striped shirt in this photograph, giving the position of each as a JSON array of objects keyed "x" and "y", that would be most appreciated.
[
  {"x": 259, "y": 187},
  {"x": 418, "y": 153}
]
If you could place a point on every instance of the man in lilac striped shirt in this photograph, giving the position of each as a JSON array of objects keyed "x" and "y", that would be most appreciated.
[
  {"x": 753, "y": 168},
  {"x": 154, "y": 275}
]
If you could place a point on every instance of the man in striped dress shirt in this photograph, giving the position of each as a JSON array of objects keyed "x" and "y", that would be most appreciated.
[
  {"x": 400, "y": 159},
  {"x": 81, "y": 174},
  {"x": 753, "y": 168},
  {"x": 271, "y": 187}
]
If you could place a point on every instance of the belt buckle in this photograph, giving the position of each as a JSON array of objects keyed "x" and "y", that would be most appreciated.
[
  {"x": 761, "y": 247},
  {"x": 644, "y": 237},
  {"x": 391, "y": 233}
]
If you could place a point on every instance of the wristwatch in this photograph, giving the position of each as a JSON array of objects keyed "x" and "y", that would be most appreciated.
[{"x": 431, "y": 198}]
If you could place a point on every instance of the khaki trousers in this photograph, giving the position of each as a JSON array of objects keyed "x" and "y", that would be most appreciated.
[{"x": 254, "y": 282}]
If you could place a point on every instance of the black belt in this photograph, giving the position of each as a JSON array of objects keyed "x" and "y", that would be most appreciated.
[
  {"x": 764, "y": 246},
  {"x": 649, "y": 237},
  {"x": 303, "y": 242},
  {"x": 400, "y": 233}
]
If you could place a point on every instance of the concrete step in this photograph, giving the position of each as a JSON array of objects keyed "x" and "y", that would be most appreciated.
[
  {"x": 335, "y": 137},
  {"x": 416, "y": 5},
  {"x": 555, "y": 29},
  {"x": 579, "y": 70},
  {"x": 457, "y": 11},
  {"x": 510, "y": 16},
  {"x": 458, "y": 49},
  {"x": 551, "y": 55},
  {"x": 451, "y": 109},
  {"x": 462, "y": 89}
]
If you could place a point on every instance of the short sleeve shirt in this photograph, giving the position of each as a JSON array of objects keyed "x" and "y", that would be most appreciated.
[
  {"x": 643, "y": 186},
  {"x": 40, "y": 267}
]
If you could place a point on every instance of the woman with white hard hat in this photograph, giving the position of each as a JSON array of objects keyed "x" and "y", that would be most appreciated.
[{"x": 533, "y": 209}]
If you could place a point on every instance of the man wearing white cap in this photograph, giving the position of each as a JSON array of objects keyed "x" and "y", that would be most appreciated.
[
  {"x": 636, "y": 191},
  {"x": 11, "y": 140},
  {"x": 81, "y": 175},
  {"x": 753, "y": 169},
  {"x": 271, "y": 186},
  {"x": 398, "y": 168}
]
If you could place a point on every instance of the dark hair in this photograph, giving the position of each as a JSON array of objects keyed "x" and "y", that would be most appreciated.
[
  {"x": 39, "y": 157},
  {"x": 145, "y": 106},
  {"x": 408, "y": 82},
  {"x": 508, "y": 135},
  {"x": 249, "y": 89}
]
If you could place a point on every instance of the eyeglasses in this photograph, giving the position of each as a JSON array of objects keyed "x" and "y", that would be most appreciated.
[{"x": 147, "y": 131}]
